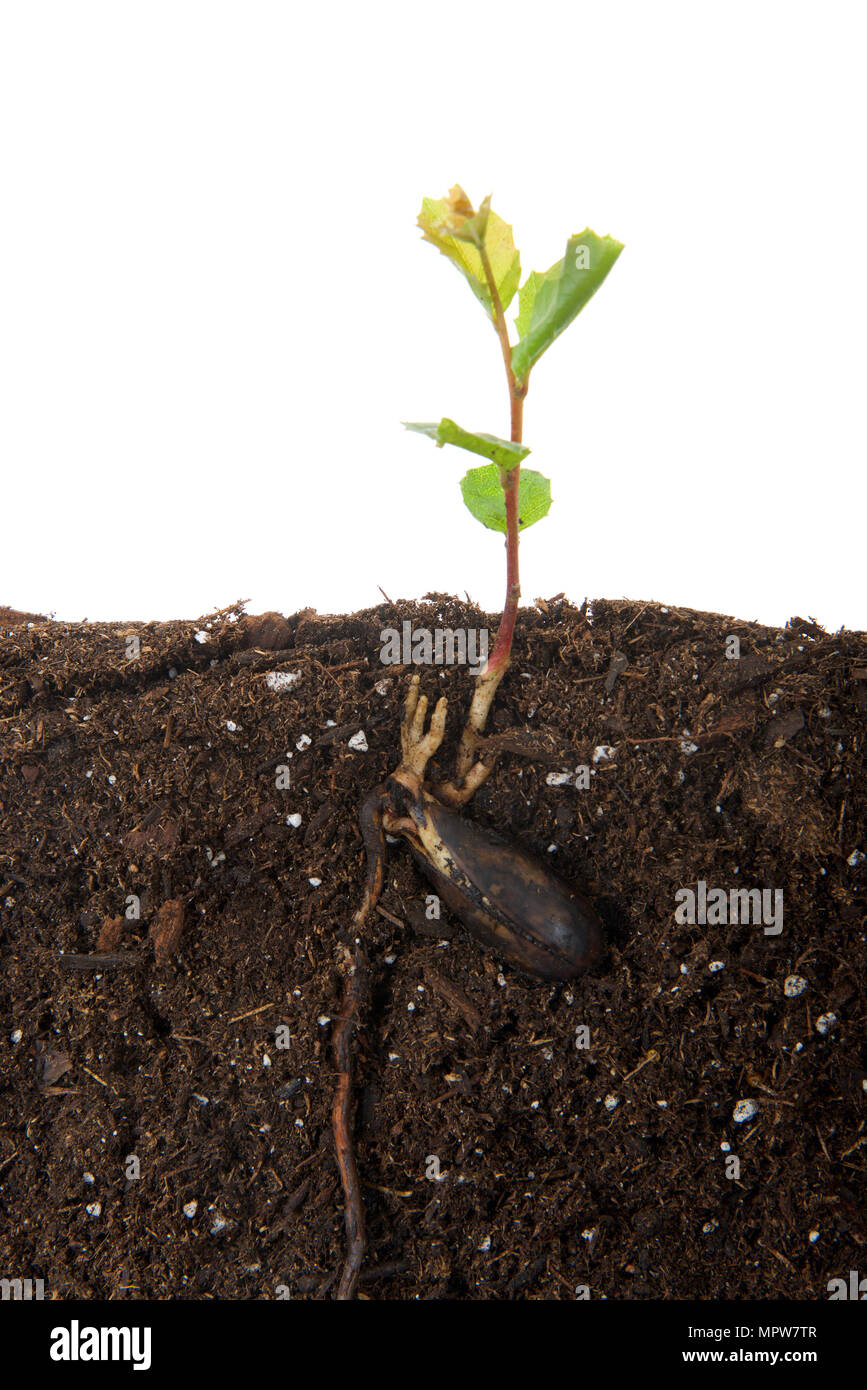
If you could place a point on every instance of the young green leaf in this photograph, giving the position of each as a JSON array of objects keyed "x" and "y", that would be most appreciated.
[
  {"x": 551, "y": 299},
  {"x": 501, "y": 451},
  {"x": 484, "y": 496},
  {"x": 458, "y": 231}
]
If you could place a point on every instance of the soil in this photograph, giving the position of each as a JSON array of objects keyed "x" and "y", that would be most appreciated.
[{"x": 168, "y": 945}]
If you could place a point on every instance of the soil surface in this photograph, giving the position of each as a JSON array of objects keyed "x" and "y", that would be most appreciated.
[{"x": 170, "y": 912}]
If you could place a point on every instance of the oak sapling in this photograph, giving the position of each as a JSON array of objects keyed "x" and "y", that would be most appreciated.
[
  {"x": 502, "y": 495},
  {"x": 508, "y": 900}
]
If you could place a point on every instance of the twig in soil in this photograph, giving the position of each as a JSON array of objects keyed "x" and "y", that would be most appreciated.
[
  {"x": 250, "y": 1012},
  {"x": 236, "y": 607},
  {"x": 635, "y": 619},
  {"x": 771, "y": 1251},
  {"x": 355, "y": 994},
  {"x": 652, "y": 1056},
  {"x": 386, "y": 1271},
  {"x": 385, "y": 595},
  {"x": 390, "y": 917},
  {"x": 95, "y": 1077},
  {"x": 96, "y": 960},
  {"x": 455, "y": 998}
]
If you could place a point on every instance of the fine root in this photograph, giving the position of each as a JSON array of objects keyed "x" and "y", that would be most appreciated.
[{"x": 417, "y": 746}]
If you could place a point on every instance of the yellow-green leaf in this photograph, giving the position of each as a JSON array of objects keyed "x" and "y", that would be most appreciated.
[{"x": 458, "y": 231}]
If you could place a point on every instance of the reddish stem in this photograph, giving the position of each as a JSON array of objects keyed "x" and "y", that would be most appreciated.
[
  {"x": 511, "y": 481},
  {"x": 503, "y": 644}
]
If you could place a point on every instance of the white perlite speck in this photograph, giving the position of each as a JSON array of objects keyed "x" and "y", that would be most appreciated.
[
  {"x": 190, "y": 1208},
  {"x": 232, "y": 726},
  {"x": 358, "y": 742},
  {"x": 315, "y": 882},
  {"x": 745, "y": 1110},
  {"x": 94, "y": 1208},
  {"x": 611, "y": 1102},
  {"x": 294, "y": 819},
  {"x": 603, "y": 752},
  {"x": 715, "y": 965},
  {"x": 855, "y": 858},
  {"x": 793, "y": 985},
  {"x": 560, "y": 779},
  {"x": 688, "y": 747},
  {"x": 281, "y": 680},
  {"x": 201, "y": 636},
  {"x": 825, "y": 1023},
  {"x": 303, "y": 742}
]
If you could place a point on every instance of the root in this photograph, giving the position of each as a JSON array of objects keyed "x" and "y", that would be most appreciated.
[
  {"x": 455, "y": 795},
  {"x": 354, "y": 998},
  {"x": 487, "y": 685},
  {"x": 417, "y": 746}
]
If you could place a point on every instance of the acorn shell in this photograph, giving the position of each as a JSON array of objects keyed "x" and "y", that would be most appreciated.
[{"x": 509, "y": 901}]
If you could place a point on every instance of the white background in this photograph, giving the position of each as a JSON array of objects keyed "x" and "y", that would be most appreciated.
[{"x": 216, "y": 308}]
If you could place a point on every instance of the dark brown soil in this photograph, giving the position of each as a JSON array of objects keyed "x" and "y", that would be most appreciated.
[{"x": 125, "y": 777}]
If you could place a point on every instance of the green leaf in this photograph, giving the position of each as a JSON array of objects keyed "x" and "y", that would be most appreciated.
[
  {"x": 458, "y": 231},
  {"x": 551, "y": 299},
  {"x": 500, "y": 451},
  {"x": 484, "y": 496}
]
